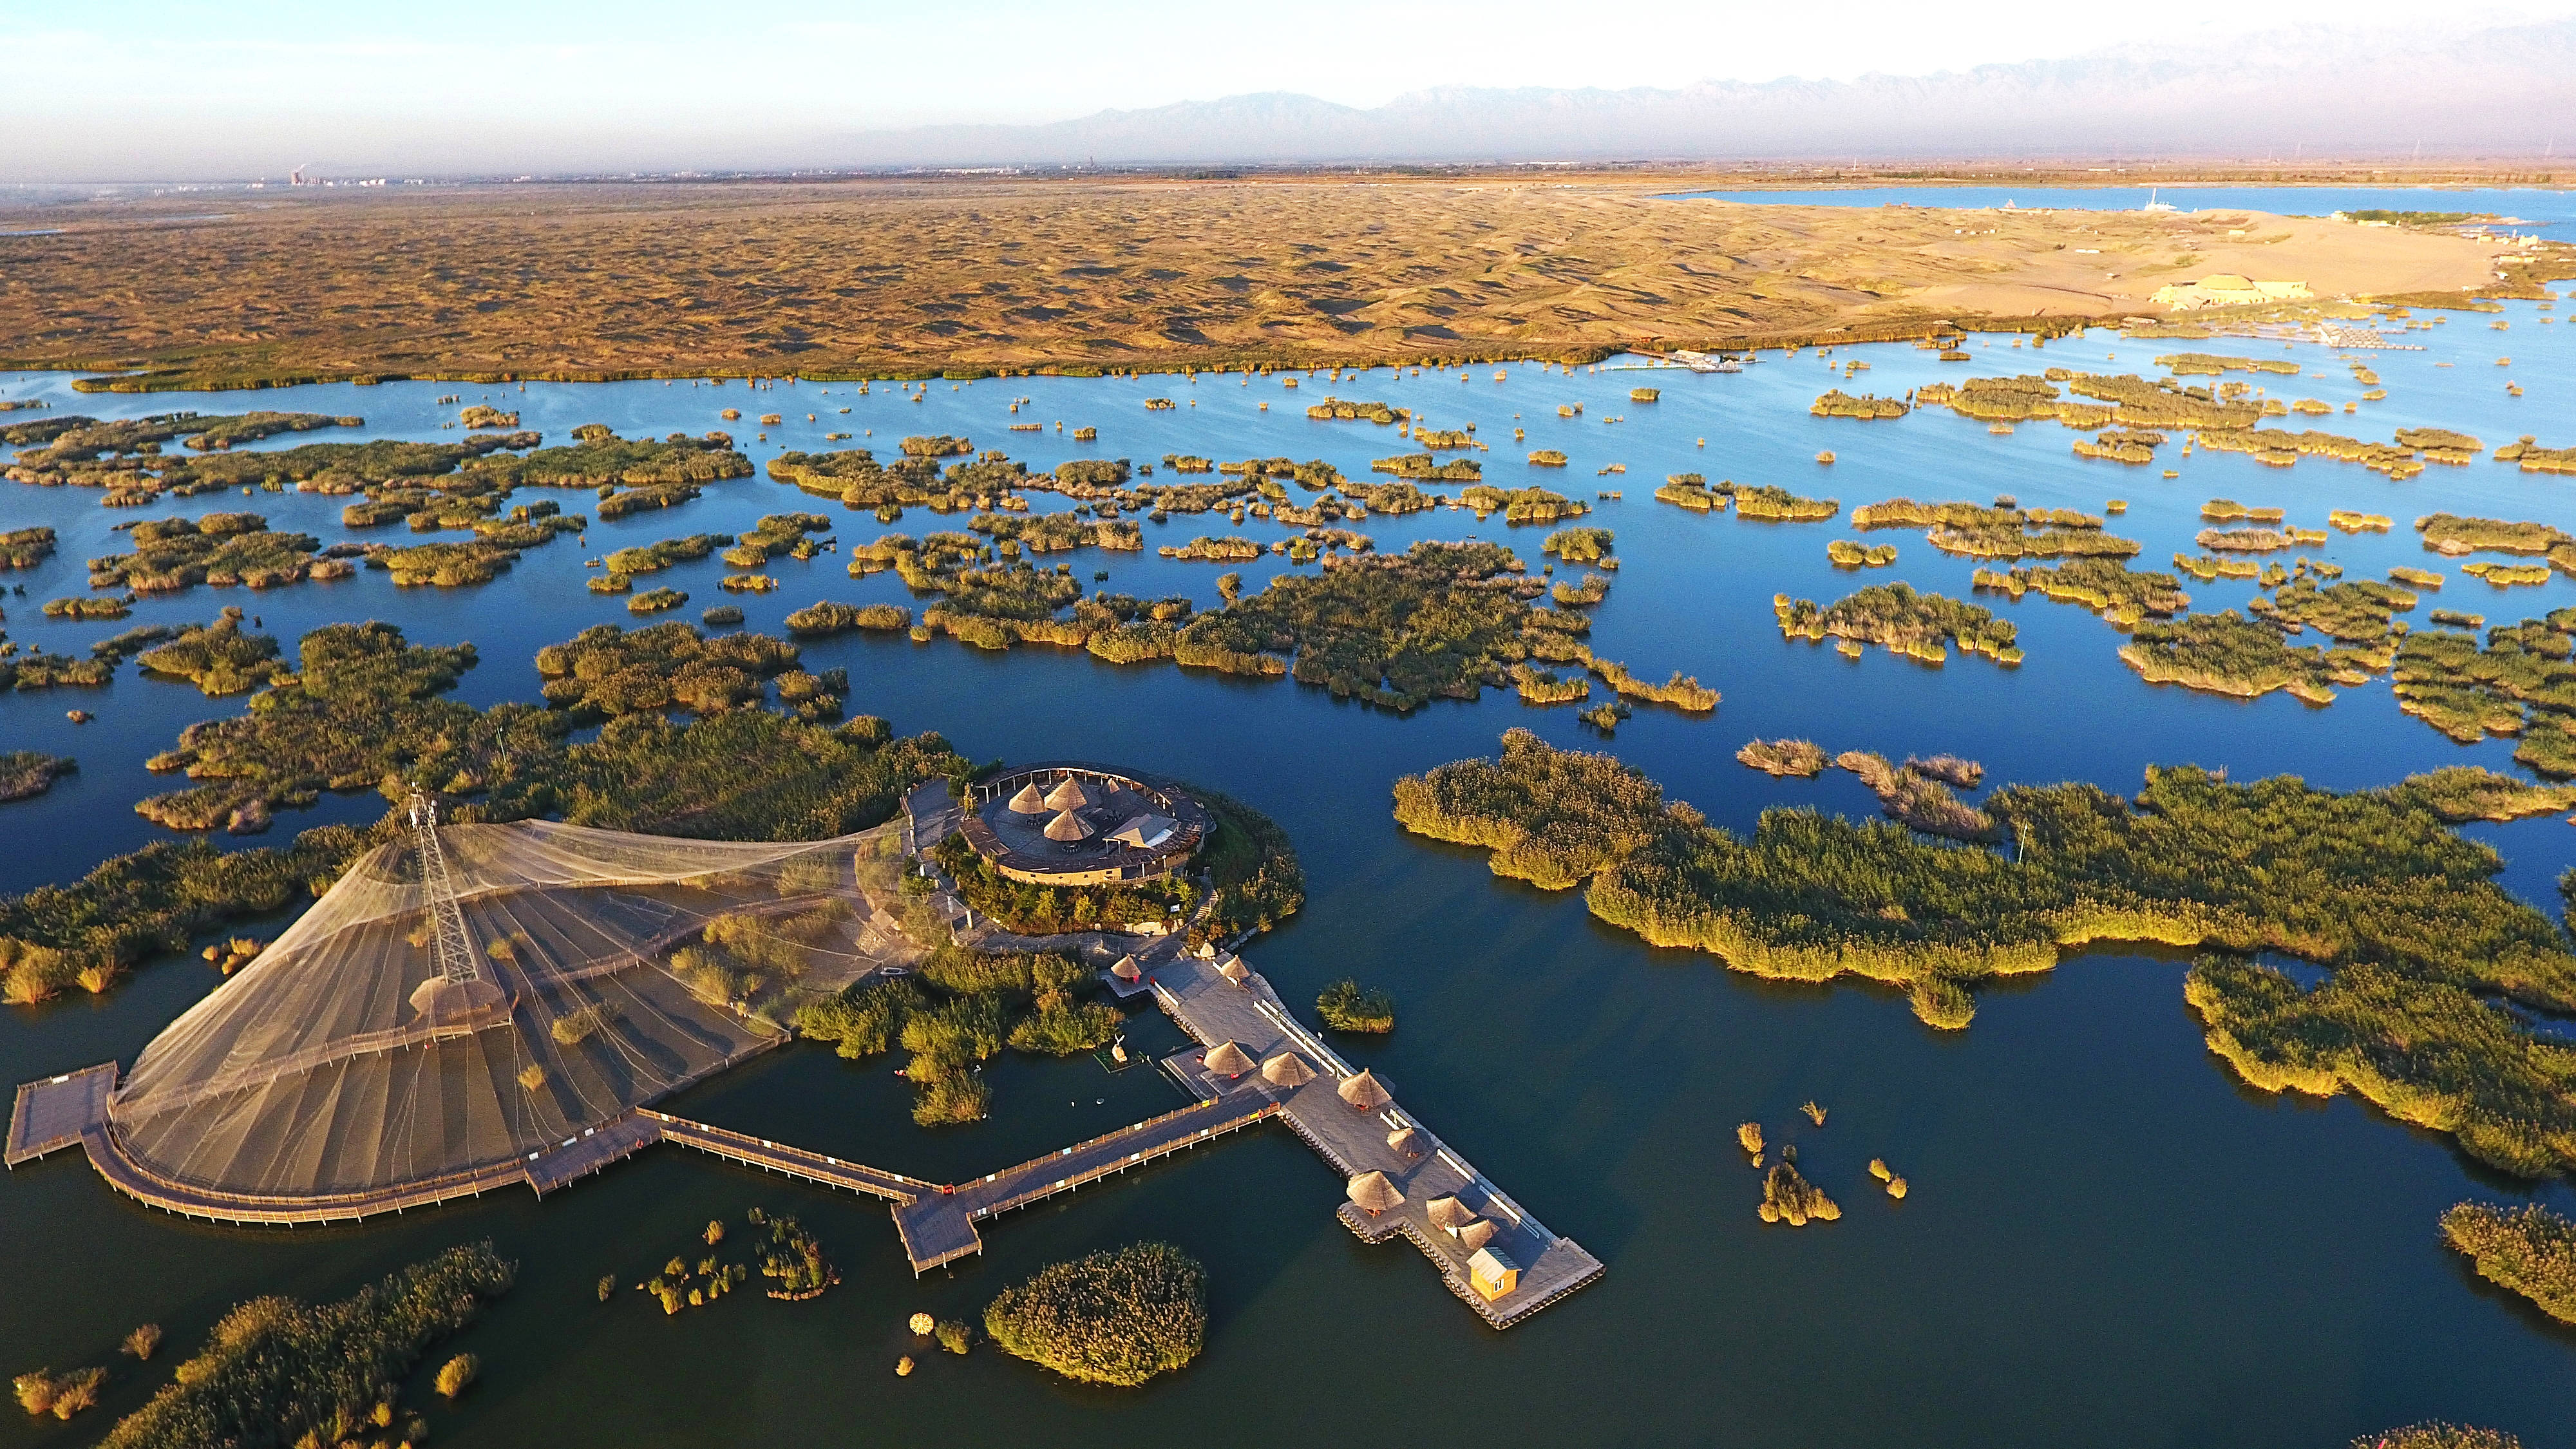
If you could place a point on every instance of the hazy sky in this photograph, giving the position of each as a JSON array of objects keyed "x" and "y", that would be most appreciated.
[{"x": 131, "y": 89}]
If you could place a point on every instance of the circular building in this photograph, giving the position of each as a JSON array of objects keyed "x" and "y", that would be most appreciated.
[{"x": 1064, "y": 823}]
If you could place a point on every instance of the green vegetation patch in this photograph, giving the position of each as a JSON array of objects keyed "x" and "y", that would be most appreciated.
[
  {"x": 171, "y": 554},
  {"x": 275, "y": 1370},
  {"x": 1116, "y": 1317},
  {"x": 2372, "y": 883},
  {"x": 26, "y": 774},
  {"x": 2228, "y": 653},
  {"x": 24, "y": 548},
  {"x": 598, "y": 458},
  {"x": 218, "y": 658},
  {"x": 1347, "y": 1006},
  {"x": 2124, "y": 596},
  {"x": 606, "y": 671},
  {"x": 962, "y": 1008},
  {"x": 2520, "y": 682},
  {"x": 2527, "y": 1250},
  {"x": 1895, "y": 617}
]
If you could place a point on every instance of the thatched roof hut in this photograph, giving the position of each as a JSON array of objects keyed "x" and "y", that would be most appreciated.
[
  {"x": 1374, "y": 1194},
  {"x": 1447, "y": 1213},
  {"x": 1233, "y": 969},
  {"x": 1287, "y": 1070},
  {"x": 1364, "y": 1092},
  {"x": 1067, "y": 796},
  {"x": 1474, "y": 1233},
  {"x": 1404, "y": 1140},
  {"x": 1230, "y": 1059},
  {"x": 1127, "y": 969},
  {"x": 1029, "y": 801},
  {"x": 1067, "y": 826}
]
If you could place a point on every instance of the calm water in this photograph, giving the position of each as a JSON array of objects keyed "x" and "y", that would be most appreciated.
[
  {"x": 2109, "y": 1241},
  {"x": 2538, "y": 205}
]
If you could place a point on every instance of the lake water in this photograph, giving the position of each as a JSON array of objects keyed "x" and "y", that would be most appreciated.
[
  {"x": 2109, "y": 1240},
  {"x": 2539, "y": 205}
]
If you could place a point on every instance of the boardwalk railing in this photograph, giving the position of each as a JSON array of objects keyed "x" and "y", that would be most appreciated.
[{"x": 1049, "y": 1188}]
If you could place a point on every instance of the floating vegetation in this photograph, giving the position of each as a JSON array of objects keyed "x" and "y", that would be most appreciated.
[
  {"x": 2527, "y": 1250},
  {"x": 89, "y": 608},
  {"x": 1898, "y": 619},
  {"x": 1790, "y": 1198},
  {"x": 2452, "y": 536},
  {"x": 2256, "y": 540},
  {"x": 1840, "y": 404},
  {"x": 1522, "y": 505},
  {"x": 2373, "y": 884},
  {"x": 2359, "y": 612},
  {"x": 1579, "y": 545},
  {"x": 1370, "y": 412},
  {"x": 2200, "y": 363},
  {"x": 1917, "y": 794},
  {"x": 42, "y": 1391},
  {"x": 656, "y": 601},
  {"x": 1681, "y": 691},
  {"x": 2504, "y": 575},
  {"x": 827, "y": 617},
  {"x": 26, "y": 774},
  {"x": 2521, "y": 683},
  {"x": 445, "y": 565},
  {"x": 606, "y": 671},
  {"x": 665, "y": 553},
  {"x": 1215, "y": 550},
  {"x": 1061, "y": 532},
  {"x": 275, "y": 1369},
  {"x": 2352, "y": 522},
  {"x": 793, "y": 1261},
  {"x": 2123, "y": 596},
  {"x": 1850, "y": 555},
  {"x": 1425, "y": 467},
  {"x": 2228, "y": 653},
  {"x": 218, "y": 658},
  {"x": 748, "y": 583},
  {"x": 776, "y": 534},
  {"x": 1346, "y": 1006},
  {"x": 33, "y": 669},
  {"x": 1117, "y": 1317},
  {"x": 1546, "y": 687},
  {"x": 24, "y": 548},
  {"x": 2228, "y": 510},
  {"x": 171, "y": 554},
  {"x": 1804, "y": 759},
  {"x": 939, "y": 446},
  {"x": 1546, "y": 458},
  {"x": 2527, "y": 452},
  {"x": 1593, "y": 589}
]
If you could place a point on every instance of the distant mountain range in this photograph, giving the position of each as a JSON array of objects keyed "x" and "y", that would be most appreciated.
[{"x": 2502, "y": 91}]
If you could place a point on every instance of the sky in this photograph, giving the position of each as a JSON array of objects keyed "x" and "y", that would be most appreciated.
[{"x": 106, "y": 90}]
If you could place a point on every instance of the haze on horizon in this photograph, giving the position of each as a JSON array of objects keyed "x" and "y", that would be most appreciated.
[{"x": 153, "y": 90}]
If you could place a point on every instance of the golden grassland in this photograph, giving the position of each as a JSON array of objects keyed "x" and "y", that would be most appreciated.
[{"x": 881, "y": 278}]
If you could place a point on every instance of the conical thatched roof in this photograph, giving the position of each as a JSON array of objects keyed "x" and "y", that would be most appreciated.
[
  {"x": 1067, "y": 826},
  {"x": 1364, "y": 1093},
  {"x": 1447, "y": 1212},
  {"x": 1230, "y": 1059},
  {"x": 1287, "y": 1070},
  {"x": 1233, "y": 969},
  {"x": 1127, "y": 969},
  {"x": 1402, "y": 1139},
  {"x": 1374, "y": 1193},
  {"x": 1067, "y": 796},
  {"x": 1029, "y": 801},
  {"x": 1475, "y": 1233}
]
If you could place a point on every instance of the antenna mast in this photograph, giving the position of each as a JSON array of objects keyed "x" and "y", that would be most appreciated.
[{"x": 447, "y": 919}]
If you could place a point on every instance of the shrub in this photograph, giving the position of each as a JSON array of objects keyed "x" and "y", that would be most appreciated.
[
  {"x": 1117, "y": 1317},
  {"x": 274, "y": 1369},
  {"x": 456, "y": 1373},
  {"x": 1344, "y": 1006}
]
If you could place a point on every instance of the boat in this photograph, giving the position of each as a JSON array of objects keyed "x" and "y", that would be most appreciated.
[{"x": 2155, "y": 205}]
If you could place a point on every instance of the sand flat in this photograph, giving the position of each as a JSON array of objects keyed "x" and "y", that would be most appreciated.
[{"x": 586, "y": 281}]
